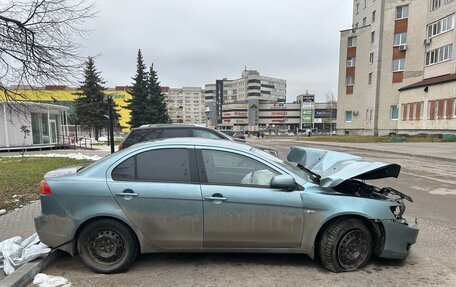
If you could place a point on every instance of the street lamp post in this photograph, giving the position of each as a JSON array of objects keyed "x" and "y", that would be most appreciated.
[{"x": 108, "y": 98}]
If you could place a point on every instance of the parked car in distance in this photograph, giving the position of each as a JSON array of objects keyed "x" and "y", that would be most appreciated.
[
  {"x": 200, "y": 195},
  {"x": 163, "y": 131},
  {"x": 234, "y": 134}
]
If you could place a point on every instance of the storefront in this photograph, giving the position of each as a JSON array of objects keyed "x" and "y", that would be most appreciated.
[{"x": 47, "y": 124}]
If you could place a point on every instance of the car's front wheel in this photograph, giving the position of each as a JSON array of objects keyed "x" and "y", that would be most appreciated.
[
  {"x": 345, "y": 245},
  {"x": 107, "y": 246}
]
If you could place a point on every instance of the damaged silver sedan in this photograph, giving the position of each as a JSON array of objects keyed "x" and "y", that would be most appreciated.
[{"x": 197, "y": 195}]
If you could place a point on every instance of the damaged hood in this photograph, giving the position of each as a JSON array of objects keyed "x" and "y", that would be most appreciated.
[{"x": 336, "y": 167}]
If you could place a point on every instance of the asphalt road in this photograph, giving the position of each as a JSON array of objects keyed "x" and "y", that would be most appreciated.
[{"x": 432, "y": 261}]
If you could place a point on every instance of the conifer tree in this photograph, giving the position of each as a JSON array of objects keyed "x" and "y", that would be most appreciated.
[
  {"x": 90, "y": 105},
  {"x": 138, "y": 104},
  {"x": 157, "y": 106}
]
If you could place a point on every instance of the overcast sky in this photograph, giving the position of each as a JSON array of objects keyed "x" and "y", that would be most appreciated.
[{"x": 195, "y": 42}]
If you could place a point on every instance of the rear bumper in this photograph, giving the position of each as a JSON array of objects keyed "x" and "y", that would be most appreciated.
[
  {"x": 51, "y": 233},
  {"x": 399, "y": 237}
]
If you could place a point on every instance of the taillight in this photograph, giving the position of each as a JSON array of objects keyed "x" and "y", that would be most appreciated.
[
  {"x": 45, "y": 189},
  {"x": 121, "y": 146}
]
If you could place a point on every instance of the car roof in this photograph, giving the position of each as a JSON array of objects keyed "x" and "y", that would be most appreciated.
[
  {"x": 195, "y": 141},
  {"x": 148, "y": 126}
]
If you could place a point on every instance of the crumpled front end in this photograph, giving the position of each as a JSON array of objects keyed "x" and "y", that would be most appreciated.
[{"x": 398, "y": 236}]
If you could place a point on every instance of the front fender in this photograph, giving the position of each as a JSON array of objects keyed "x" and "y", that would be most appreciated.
[{"x": 320, "y": 208}]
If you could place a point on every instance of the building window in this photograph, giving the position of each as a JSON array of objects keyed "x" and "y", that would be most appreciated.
[
  {"x": 365, "y": 3},
  {"x": 399, "y": 65},
  {"x": 402, "y": 12},
  {"x": 394, "y": 115},
  {"x": 357, "y": 8},
  {"x": 370, "y": 115},
  {"x": 356, "y": 25},
  {"x": 372, "y": 37},
  {"x": 435, "y": 4},
  {"x": 350, "y": 80},
  {"x": 348, "y": 116},
  {"x": 373, "y": 16},
  {"x": 352, "y": 41},
  {"x": 400, "y": 39},
  {"x": 369, "y": 78},
  {"x": 364, "y": 21},
  {"x": 351, "y": 62},
  {"x": 371, "y": 58},
  {"x": 440, "y": 26},
  {"x": 439, "y": 55}
]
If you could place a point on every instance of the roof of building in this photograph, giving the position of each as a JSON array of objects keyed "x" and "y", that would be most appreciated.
[
  {"x": 430, "y": 81},
  {"x": 35, "y": 104}
]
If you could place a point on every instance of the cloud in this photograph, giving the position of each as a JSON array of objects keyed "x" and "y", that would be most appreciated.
[{"x": 195, "y": 42}]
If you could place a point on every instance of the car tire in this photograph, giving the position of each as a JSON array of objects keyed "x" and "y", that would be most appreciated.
[
  {"x": 107, "y": 246},
  {"x": 345, "y": 245}
]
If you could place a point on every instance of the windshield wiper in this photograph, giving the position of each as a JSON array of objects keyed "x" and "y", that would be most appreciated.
[{"x": 315, "y": 177}]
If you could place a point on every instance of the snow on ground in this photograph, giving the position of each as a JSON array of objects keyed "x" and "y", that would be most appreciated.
[{"x": 69, "y": 155}]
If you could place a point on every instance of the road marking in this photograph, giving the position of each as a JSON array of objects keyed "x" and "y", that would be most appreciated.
[
  {"x": 443, "y": 191},
  {"x": 430, "y": 178}
]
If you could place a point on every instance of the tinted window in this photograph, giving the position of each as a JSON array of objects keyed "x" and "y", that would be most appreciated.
[
  {"x": 163, "y": 165},
  {"x": 141, "y": 135},
  {"x": 125, "y": 170},
  {"x": 199, "y": 133},
  {"x": 230, "y": 168},
  {"x": 174, "y": 133}
]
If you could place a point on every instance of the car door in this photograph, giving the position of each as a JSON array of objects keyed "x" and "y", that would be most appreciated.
[
  {"x": 159, "y": 191},
  {"x": 241, "y": 210}
]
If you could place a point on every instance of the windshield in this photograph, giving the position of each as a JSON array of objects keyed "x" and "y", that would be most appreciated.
[{"x": 284, "y": 164}]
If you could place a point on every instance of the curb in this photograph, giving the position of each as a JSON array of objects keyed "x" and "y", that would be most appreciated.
[
  {"x": 315, "y": 143},
  {"x": 384, "y": 151},
  {"x": 25, "y": 274}
]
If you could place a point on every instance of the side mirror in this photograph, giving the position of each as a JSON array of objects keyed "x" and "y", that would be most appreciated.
[{"x": 283, "y": 181}]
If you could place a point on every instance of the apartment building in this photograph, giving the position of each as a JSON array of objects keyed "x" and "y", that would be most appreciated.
[
  {"x": 186, "y": 105},
  {"x": 251, "y": 90},
  {"x": 397, "y": 72}
]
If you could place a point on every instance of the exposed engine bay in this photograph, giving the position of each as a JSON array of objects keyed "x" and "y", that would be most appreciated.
[{"x": 359, "y": 188}]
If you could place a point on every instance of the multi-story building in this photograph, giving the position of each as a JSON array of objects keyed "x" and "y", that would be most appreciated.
[
  {"x": 396, "y": 69},
  {"x": 249, "y": 90},
  {"x": 186, "y": 105}
]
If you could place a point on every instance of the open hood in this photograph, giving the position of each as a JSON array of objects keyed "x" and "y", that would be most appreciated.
[{"x": 336, "y": 167}]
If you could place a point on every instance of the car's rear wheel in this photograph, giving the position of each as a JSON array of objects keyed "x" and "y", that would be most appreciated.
[
  {"x": 107, "y": 246},
  {"x": 345, "y": 245}
]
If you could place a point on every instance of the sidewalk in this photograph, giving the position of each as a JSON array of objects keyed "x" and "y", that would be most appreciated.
[
  {"x": 435, "y": 150},
  {"x": 18, "y": 223}
]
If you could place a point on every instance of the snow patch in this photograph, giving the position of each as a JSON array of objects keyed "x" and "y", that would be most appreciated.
[
  {"x": 44, "y": 280},
  {"x": 78, "y": 156},
  {"x": 14, "y": 252}
]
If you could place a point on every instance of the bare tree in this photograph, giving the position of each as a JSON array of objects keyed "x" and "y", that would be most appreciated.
[{"x": 40, "y": 42}]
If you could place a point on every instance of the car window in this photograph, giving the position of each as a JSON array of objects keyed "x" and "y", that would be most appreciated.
[
  {"x": 125, "y": 170},
  {"x": 200, "y": 133},
  {"x": 167, "y": 165},
  {"x": 230, "y": 168},
  {"x": 141, "y": 135},
  {"x": 174, "y": 133}
]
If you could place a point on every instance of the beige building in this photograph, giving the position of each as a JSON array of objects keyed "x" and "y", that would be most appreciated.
[
  {"x": 251, "y": 89},
  {"x": 397, "y": 68},
  {"x": 186, "y": 105}
]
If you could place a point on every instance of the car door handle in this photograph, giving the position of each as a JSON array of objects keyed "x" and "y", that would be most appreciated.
[
  {"x": 215, "y": 198},
  {"x": 126, "y": 194}
]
